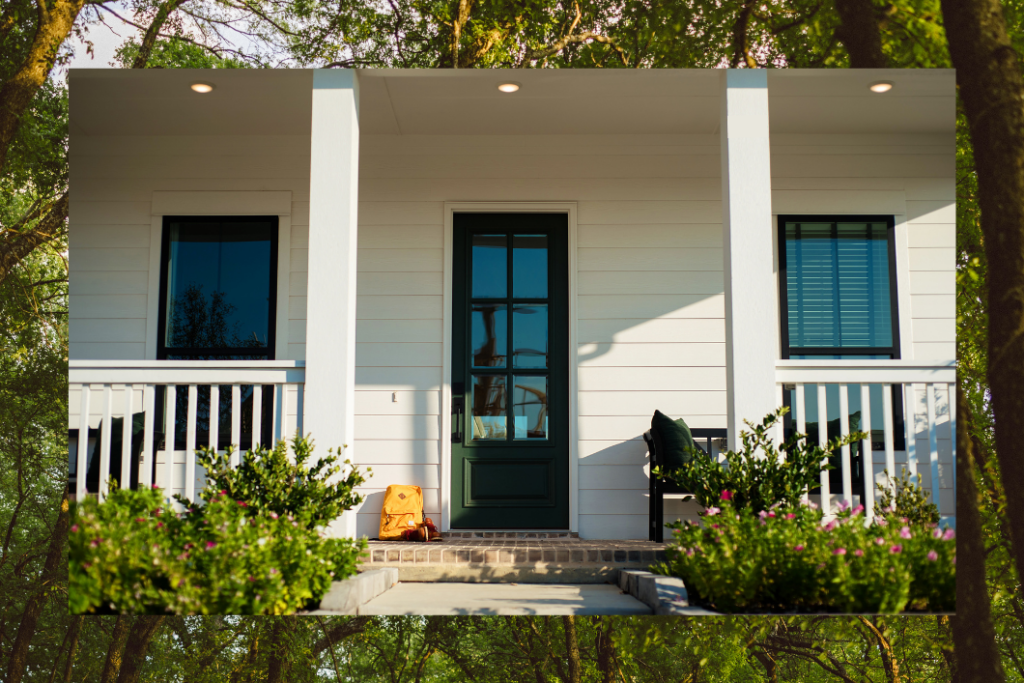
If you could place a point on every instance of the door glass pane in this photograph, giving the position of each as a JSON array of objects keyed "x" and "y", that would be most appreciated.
[
  {"x": 530, "y": 266},
  {"x": 490, "y": 266},
  {"x": 487, "y": 408},
  {"x": 489, "y": 330},
  {"x": 530, "y": 407},
  {"x": 218, "y": 284},
  {"x": 530, "y": 336}
]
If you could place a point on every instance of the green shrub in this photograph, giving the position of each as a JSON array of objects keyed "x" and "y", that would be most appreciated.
[
  {"x": 132, "y": 554},
  {"x": 269, "y": 481},
  {"x": 910, "y": 501},
  {"x": 785, "y": 559},
  {"x": 759, "y": 475}
]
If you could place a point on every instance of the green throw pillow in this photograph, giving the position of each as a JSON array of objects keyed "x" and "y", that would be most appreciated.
[{"x": 671, "y": 439}]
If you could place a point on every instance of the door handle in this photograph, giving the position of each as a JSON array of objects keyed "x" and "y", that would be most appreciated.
[{"x": 458, "y": 418}]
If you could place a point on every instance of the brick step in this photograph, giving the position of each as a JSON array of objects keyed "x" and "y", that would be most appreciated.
[{"x": 506, "y": 560}]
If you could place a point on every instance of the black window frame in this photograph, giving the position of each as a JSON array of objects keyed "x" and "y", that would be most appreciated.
[
  {"x": 162, "y": 350},
  {"x": 787, "y": 351}
]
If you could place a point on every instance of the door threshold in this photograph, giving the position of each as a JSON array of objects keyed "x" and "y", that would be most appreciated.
[{"x": 511, "y": 533}]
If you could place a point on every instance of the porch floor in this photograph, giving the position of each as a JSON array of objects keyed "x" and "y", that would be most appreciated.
[{"x": 560, "y": 559}]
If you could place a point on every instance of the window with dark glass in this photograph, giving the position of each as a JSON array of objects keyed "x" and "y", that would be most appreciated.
[
  {"x": 838, "y": 301},
  {"x": 218, "y": 300}
]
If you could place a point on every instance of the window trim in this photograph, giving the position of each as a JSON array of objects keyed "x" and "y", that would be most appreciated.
[
  {"x": 786, "y": 351},
  {"x": 162, "y": 350}
]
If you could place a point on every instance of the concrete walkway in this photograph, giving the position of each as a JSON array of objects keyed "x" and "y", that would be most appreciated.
[{"x": 503, "y": 599}]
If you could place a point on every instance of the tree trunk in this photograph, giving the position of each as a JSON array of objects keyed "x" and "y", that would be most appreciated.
[
  {"x": 153, "y": 32},
  {"x": 143, "y": 630},
  {"x": 51, "y": 576},
  {"x": 974, "y": 641},
  {"x": 572, "y": 649},
  {"x": 860, "y": 34},
  {"x": 605, "y": 647},
  {"x": 280, "y": 661},
  {"x": 988, "y": 74},
  {"x": 55, "y": 20},
  {"x": 115, "y": 652},
  {"x": 76, "y": 628}
]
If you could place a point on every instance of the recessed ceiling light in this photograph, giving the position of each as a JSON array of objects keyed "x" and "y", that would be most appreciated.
[
  {"x": 202, "y": 87},
  {"x": 508, "y": 87},
  {"x": 881, "y": 86}
]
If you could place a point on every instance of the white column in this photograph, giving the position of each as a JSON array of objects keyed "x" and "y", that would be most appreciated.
[
  {"x": 329, "y": 406},
  {"x": 751, "y": 290}
]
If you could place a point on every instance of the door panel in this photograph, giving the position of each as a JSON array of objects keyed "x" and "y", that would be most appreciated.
[{"x": 510, "y": 372}]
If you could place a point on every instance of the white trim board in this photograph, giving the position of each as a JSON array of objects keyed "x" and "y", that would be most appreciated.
[
  {"x": 450, "y": 209},
  {"x": 221, "y": 204}
]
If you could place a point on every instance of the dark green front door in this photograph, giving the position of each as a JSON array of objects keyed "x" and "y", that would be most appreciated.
[{"x": 510, "y": 372}]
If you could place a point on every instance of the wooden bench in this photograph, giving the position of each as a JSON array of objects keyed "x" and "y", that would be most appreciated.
[{"x": 659, "y": 488}]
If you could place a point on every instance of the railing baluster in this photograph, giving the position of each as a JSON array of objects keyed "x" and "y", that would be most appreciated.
[
  {"x": 83, "y": 443},
  {"x": 171, "y": 402},
  {"x": 844, "y": 452},
  {"x": 214, "y": 440},
  {"x": 236, "y": 422},
  {"x": 801, "y": 420},
  {"x": 951, "y": 401},
  {"x": 933, "y": 445},
  {"x": 867, "y": 457},
  {"x": 126, "y": 439},
  {"x": 826, "y": 494},
  {"x": 910, "y": 398},
  {"x": 105, "y": 434},
  {"x": 190, "y": 443},
  {"x": 299, "y": 398},
  {"x": 146, "y": 465},
  {"x": 257, "y": 415},
  {"x": 282, "y": 411},
  {"x": 890, "y": 454}
]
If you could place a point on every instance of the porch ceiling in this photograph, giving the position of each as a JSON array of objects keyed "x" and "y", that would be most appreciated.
[{"x": 467, "y": 102}]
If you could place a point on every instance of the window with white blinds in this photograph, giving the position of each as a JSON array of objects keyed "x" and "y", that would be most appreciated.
[{"x": 838, "y": 294}]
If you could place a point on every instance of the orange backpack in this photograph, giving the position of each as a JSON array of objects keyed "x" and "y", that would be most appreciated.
[{"x": 402, "y": 510}]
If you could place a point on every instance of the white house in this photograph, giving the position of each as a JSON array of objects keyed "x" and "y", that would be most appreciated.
[{"x": 488, "y": 293}]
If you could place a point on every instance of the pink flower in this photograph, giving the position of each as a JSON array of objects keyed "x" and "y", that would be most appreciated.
[
  {"x": 74, "y": 528},
  {"x": 771, "y": 514},
  {"x": 895, "y": 549},
  {"x": 830, "y": 526},
  {"x": 790, "y": 515},
  {"x": 155, "y": 486},
  {"x": 726, "y": 495},
  {"x": 712, "y": 511},
  {"x": 272, "y": 571},
  {"x": 936, "y": 533},
  {"x": 839, "y": 551},
  {"x": 273, "y": 515},
  {"x": 949, "y": 535},
  {"x": 139, "y": 520},
  {"x": 879, "y": 541},
  {"x": 714, "y": 526},
  {"x": 159, "y": 524},
  {"x": 905, "y": 532},
  {"x": 243, "y": 503},
  {"x": 858, "y": 552},
  {"x": 762, "y": 514},
  {"x": 880, "y": 521},
  {"x": 859, "y": 509},
  {"x": 223, "y": 493},
  {"x": 95, "y": 543},
  {"x": 932, "y": 555},
  {"x": 844, "y": 505},
  {"x": 158, "y": 511},
  {"x": 252, "y": 578},
  {"x": 798, "y": 548},
  {"x": 210, "y": 544}
]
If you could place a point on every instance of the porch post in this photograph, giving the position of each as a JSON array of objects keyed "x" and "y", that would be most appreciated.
[
  {"x": 751, "y": 321},
  {"x": 329, "y": 400}
]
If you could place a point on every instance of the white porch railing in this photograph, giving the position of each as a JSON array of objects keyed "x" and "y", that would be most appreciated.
[
  {"x": 936, "y": 381},
  {"x": 120, "y": 384}
]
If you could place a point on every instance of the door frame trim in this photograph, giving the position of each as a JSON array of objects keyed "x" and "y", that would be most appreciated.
[{"x": 450, "y": 209}]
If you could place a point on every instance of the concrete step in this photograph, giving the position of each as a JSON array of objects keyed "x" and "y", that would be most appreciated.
[
  {"x": 506, "y": 560},
  {"x": 503, "y": 599}
]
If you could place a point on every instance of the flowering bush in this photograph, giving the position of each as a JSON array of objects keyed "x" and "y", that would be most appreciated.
[
  {"x": 908, "y": 500},
  {"x": 759, "y": 475},
  {"x": 131, "y": 554},
  {"x": 269, "y": 481},
  {"x": 786, "y": 558}
]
